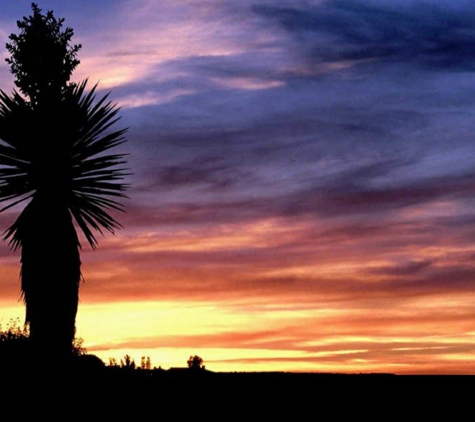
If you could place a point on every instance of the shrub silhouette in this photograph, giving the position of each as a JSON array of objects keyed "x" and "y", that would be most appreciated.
[
  {"x": 17, "y": 354},
  {"x": 195, "y": 362},
  {"x": 127, "y": 362},
  {"x": 145, "y": 363}
]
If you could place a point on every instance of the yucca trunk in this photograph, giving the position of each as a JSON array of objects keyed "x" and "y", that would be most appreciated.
[{"x": 50, "y": 276}]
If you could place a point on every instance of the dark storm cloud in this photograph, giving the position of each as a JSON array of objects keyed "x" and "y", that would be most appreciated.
[{"x": 435, "y": 35}]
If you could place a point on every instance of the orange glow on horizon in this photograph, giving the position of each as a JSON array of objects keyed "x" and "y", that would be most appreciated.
[
  {"x": 322, "y": 312},
  {"x": 292, "y": 207}
]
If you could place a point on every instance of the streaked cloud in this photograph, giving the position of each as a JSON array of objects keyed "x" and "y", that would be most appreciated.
[{"x": 302, "y": 188}]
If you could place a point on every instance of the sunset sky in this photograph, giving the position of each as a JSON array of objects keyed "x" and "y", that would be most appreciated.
[{"x": 303, "y": 188}]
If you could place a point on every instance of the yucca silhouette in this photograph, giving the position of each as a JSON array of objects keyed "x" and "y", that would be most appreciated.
[{"x": 57, "y": 171}]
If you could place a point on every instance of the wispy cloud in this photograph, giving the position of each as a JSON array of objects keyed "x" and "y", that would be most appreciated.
[
  {"x": 306, "y": 165},
  {"x": 439, "y": 36}
]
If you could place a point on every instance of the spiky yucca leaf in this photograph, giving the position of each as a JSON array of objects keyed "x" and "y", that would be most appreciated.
[{"x": 61, "y": 153}]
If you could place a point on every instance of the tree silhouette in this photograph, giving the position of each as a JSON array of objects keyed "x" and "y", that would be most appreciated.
[
  {"x": 41, "y": 57},
  {"x": 195, "y": 362},
  {"x": 54, "y": 157}
]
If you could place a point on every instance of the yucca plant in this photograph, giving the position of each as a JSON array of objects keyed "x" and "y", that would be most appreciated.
[{"x": 57, "y": 170}]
